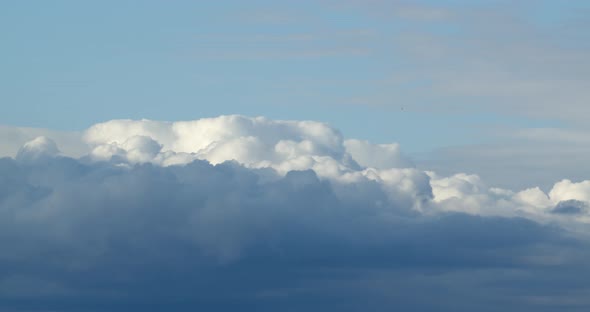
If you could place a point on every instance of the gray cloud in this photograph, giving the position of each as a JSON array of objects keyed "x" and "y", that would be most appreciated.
[
  {"x": 82, "y": 236},
  {"x": 247, "y": 213},
  {"x": 570, "y": 207}
]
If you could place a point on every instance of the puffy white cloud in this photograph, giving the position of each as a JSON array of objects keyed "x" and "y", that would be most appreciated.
[
  {"x": 380, "y": 156},
  {"x": 533, "y": 197},
  {"x": 468, "y": 194},
  {"x": 566, "y": 189},
  {"x": 458, "y": 186},
  {"x": 255, "y": 142}
]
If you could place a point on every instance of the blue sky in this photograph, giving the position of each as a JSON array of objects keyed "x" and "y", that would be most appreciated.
[{"x": 366, "y": 68}]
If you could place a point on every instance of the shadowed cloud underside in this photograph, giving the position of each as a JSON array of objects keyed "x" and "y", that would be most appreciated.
[{"x": 236, "y": 212}]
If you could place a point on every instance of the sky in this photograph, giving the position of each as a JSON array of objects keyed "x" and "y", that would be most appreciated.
[
  {"x": 294, "y": 155},
  {"x": 430, "y": 75}
]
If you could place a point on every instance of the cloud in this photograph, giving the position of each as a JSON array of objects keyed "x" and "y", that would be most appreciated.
[
  {"x": 255, "y": 142},
  {"x": 37, "y": 149},
  {"x": 13, "y": 138},
  {"x": 380, "y": 156},
  {"x": 273, "y": 148},
  {"x": 199, "y": 235},
  {"x": 229, "y": 212},
  {"x": 570, "y": 206}
]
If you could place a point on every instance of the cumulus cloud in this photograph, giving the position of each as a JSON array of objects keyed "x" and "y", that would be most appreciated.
[
  {"x": 255, "y": 142},
  {"x": 273, "y": 148},
  {"x": 380, "y": 156},
  {"x": 571, "y": 206},
  {"x": 237, "y": 212},
  {"x": 37, "y": 149},
  {"x": 13, "y": 138}
]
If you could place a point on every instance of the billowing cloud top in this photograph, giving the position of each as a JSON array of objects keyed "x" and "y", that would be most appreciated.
[
  {"x": 236, "y": 212},
  {"x": 308, "y": 145}
]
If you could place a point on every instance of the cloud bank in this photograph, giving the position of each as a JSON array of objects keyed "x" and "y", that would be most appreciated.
[{"x": 247, "y": 213}]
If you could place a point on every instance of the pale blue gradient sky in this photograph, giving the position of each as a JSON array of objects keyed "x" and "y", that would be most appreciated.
[{"x": 427, "y": 74}]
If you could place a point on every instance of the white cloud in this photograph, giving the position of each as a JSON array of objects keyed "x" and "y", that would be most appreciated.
[
  {"x": 283, "y": 146},
  {"x": 380, "y": 156},
  {"x": 254, "y": 142},
  {"x": 566, "y": 189}
]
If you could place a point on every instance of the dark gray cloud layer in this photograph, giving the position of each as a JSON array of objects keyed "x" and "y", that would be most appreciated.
[{"x": 80, "y": 236}]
